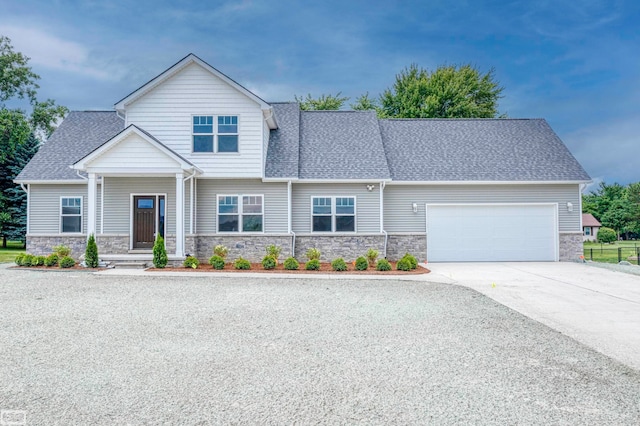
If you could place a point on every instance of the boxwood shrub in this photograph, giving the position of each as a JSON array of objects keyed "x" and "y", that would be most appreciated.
[
  {"x": 216, "y": 261},
  {"x": 339, "y": 264},
  {"x": 403, "y": 264},
  {"x": 67, "y": 262},
  {"x": 291, "y": 264},
  {"x": 362, "y": 263},
  {"x": 269, "y": 262},
  {"x": 191, "y": 262},
  {"x": 19, "y": 260},
  {"x": 383, "y": 265},
  {"x": 242, "y": 264},
  {"x": 412, "y": 260},
  {"x": 312, "y": 265},
  {"x": 51, "y": 260}
]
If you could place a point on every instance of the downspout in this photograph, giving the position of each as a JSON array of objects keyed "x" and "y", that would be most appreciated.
[
  {"x": 26, "y": 190},
  {"x": 190, "y": 178},
  {"x": 80, "y": 176},
  {"x": 382, "y": 231},
  {"x": 289, "y": 227}
]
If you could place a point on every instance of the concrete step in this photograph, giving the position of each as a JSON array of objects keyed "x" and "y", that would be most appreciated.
[{"x": 130, "y": 265}]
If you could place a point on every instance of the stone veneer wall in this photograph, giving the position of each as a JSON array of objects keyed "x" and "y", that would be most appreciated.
[
  {"x": 43, "y": 245},
  {"x": 112, "y": 243},
  {"x": 348, "y": 247},
  {"x": 250, "y": 247},
  {"x": 571, "y": 247},
  {"x": 399, "y": 245}
]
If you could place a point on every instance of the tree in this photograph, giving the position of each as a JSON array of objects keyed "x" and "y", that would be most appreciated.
[
  {"x": 365, "y": 103},
  {"x": 324, "y": 102},
  {"x": 16, "y": 78},
  {"x": 606, "y": 235},
  {"x": 448, "y": 92}
]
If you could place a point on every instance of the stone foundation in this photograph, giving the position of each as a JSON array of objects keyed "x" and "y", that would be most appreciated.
[
  {"x": 43, "y": 245},
  {"x": 112, "y": 244},
  {"x": 250, "y": 247},
  {"x": 348, "y": 247},
  {"x": 571, "y": 247},
  {"x": 399, "y": 245}
]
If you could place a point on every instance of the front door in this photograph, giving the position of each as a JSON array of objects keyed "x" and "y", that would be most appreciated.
[{"x": 144, "y": 221}]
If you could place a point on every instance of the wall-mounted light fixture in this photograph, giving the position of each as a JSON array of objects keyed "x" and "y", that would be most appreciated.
[
  {"x": 370, "y": 187},
  {"x": 414, "y": 206},
  {"x": 570, "y": 206}
]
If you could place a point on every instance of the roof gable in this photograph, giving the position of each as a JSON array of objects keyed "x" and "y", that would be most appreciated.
[{"x": 589, "y": 220}]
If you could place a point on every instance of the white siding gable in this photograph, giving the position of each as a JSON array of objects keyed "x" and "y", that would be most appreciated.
[{"x": 167, "y": 113}]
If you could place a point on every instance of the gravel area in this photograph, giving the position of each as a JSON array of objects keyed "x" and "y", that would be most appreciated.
[
  {"x": 628, "y": 269},
  {"x": 77, "y": 348}
]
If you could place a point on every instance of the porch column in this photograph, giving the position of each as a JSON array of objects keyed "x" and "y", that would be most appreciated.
[
  {"x": 179, "y": 215},
  {"x": 91, "y": 204}
]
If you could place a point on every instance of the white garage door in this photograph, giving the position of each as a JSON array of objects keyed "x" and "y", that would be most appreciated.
[{"x": 491, "y": 232}]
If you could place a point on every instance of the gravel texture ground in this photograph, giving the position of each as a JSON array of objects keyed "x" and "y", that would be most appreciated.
[{"x": 76, "y": 348}]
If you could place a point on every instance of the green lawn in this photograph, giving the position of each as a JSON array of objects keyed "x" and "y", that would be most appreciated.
[
  {"x": 608, "y": 253},
  {"x": 12, "y": 250}
]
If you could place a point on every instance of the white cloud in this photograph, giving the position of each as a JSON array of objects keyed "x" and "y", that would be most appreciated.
[{"x": 49, "y": 51}]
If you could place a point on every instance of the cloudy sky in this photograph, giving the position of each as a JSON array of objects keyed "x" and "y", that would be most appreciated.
[{"x": 574, "y": 62}]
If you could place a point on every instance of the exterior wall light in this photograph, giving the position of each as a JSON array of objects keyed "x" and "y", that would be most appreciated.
[
  {"x": 415, "y": 207},
  {"x": 570, "y": 206},
  {"x": 370, "y": 187}
]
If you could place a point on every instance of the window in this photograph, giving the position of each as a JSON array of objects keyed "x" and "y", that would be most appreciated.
[
  {"x": 247, "y": 216},
  {"x": 219, "y": 135},
  {"x": 333, "y": 214},
  {"x": 71, "y": 214},
  {"x": 587, "y": 230}
]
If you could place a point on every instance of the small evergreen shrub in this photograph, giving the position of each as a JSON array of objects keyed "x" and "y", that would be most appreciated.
[
  {"x": 19, "y": 260},
  {"x": 28, "y": 260},
  {"x": 39, "y": 260},
  {"x": 606, "y": 235},
  {"x": 371, "y": 256},
  {"x": 274, "y": 251},
  {"x": 313, "y": 254},
  {"x": 312, "y": 265},
  {"x": 62, "y": 250},
  {"x": 242, "y": 264},
  {"x": 216, "y": 261},
  {"x": 191, "y": 262},
  {"x": 339, "y": 264},
  {"x": 383, "y": 265},
  {"x": 269, "y": 262},
  {"x": 91, "y": 253},
  {"x": 291, "y": 264},
  {"x": 412, "y": 260},
  {"x": 403, "y": 264},
  {"x": 160, "y": 258},
  {"x": 51, "y": 260},
  {"x": 221, "y": 250},
  {"x": 362, "y": 263},
  {"x": 67, "y": 262}
]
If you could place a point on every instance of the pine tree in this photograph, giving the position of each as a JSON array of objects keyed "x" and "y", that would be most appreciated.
[{"x": 91, "y": 253}]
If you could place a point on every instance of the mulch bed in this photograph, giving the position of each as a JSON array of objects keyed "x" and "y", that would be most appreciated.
[
  {"x": 325, "y": 268},
  {"x": 77, "y": 267}
]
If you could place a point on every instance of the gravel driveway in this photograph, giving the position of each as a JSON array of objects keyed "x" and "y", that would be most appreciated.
[{"x": 76, "y": 348}]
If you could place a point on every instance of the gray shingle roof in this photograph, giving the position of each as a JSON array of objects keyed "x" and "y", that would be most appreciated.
[
  {"x": 284, "y": 142},
  {"x": 79, "y": 134},
  {"x": 477, "y": 150},
  {"x": 341, "y": 145}
]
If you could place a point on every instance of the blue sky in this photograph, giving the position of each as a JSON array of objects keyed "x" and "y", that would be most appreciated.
[{"x": 574, "y": 62}]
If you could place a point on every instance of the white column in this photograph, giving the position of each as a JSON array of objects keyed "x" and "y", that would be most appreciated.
[
  {"x": 179, "y": 215},
  {"x": 91, "y": 203}
]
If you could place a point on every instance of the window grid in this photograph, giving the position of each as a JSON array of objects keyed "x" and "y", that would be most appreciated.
[
  {"x": 219, "y": 135},
  {"x": 333, "y": 214},
  {"x": 70, "y": 214},
  {"x": 247, "y": 216}
]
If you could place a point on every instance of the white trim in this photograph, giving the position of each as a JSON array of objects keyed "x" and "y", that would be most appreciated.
[
  {"x": 157, "y": 208},
  {"x": 179, "y": 214},
  {"x": 81, "y": 215},
  {"x": 52, "y": 182},
  {"x": 215, "y": 133},
  {"x": 191, "y": 204},
  {"x": 102, "y": 205},
  {"x": 28, "y": 207},
  {"x": 369, "y": 181},
  {"x": 240, "y": 214},
  {"x": 556, "y": 231},
  {"x": 195, "y": 212},
  {"x": 488, "y": 182},
  {"x": 333, "y": 215},
  {"x": 91, "y": 203}
]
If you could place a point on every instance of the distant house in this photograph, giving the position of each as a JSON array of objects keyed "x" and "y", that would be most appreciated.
[
  {"x": 197, "y": 158},
  {"x": 590, "y": 227}
]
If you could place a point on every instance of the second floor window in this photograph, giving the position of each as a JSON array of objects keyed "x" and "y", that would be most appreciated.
[{"x": 215, "y": 133}]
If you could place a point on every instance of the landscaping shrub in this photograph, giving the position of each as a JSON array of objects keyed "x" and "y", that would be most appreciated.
[
  {"x": 160, "y": 258},
  {"x": 62, "y": 250},
  {"x": 221, "y": 251},
  {"x": 607, "y": 235},
  {"x": 19, "y": 260},
  {"x": 191, "y": 262},
  {"x": 241, "y": 263},
  {"x": 312, "y": 265},
  {"x": 91, "y": 253},
  {"x": 412, "y": 260},
  {"x": 371, "y": 256},
  {"x": 217, "y": 262},
  {"x": 291, "y": 264},
  {"x": 313, "y": 254},
  {"x": 67, "y": 262},
  {"x": 39, "y": 260},
  {"x": 269, "y": 262},
  {"x": 362, "y": 263},
  {"x": 339, "y": 265},
  {"x": 383, "y": 265},
  {"x": 403, "y": 264},
  {"x": 274, "y": 251},
  {"x": 51, "y": 260},
  {"x": 28, "y": 260}
]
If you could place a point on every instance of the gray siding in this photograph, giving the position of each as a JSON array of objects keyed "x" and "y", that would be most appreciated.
[
  {"x": 44, "y": 208},
  {"x": 398, "y": 199},
  {"x": 98, "y": 208},
  {"x": 367, "y": 204},
  {"x": 275, "y": 202},
  {"x": 117, "y": 198}
]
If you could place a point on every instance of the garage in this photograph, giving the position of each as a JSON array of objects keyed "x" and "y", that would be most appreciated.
[{"x": 492, "y": 232}]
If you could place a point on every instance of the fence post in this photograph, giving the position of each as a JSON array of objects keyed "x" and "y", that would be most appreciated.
[
  {"x": 591, "y": 253},
  {"x": 619, "y": 254}
]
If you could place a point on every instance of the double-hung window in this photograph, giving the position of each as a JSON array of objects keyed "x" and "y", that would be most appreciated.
[
  {"x": 215, "y": 133},
  {"x": 71, "y": 214},
  {"x": 240, "y": 213},
  {"x": 333, "y": 214}
]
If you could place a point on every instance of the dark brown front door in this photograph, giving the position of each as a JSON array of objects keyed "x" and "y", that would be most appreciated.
[{"x": 144, "y": 221}]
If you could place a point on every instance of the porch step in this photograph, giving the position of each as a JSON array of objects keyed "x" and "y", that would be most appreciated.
[{"x": 130, "y": 265}]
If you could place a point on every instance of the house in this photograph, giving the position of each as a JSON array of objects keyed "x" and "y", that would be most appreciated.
[
  {"x": 201, "y": 160},
  {"x": 590, "y": 227}
]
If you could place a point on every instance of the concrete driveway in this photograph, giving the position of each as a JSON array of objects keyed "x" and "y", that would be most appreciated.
[{"x": 597, "y": 307}]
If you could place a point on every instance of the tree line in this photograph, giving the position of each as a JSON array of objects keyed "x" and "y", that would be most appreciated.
[{"x": 616, "y": 207}]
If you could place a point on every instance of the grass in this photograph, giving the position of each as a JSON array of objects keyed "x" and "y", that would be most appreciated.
[
  {"x": 608, "y": 253},
  {"x": 13, "y": 249}
]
